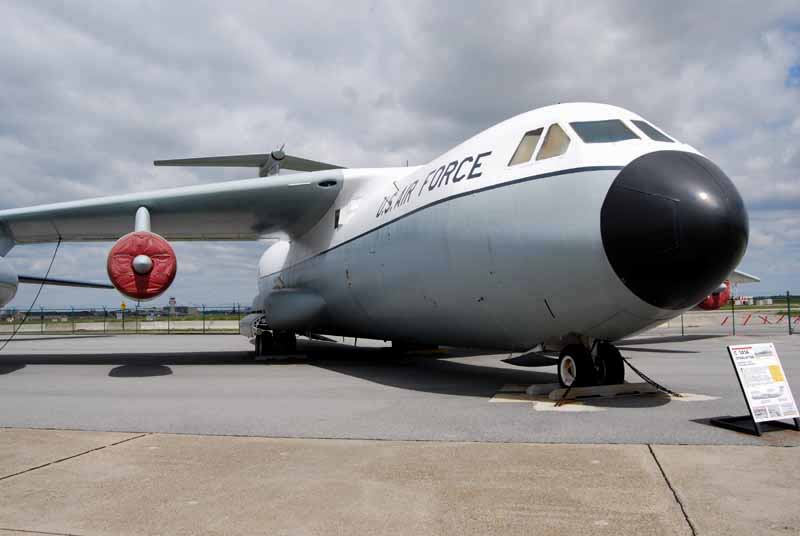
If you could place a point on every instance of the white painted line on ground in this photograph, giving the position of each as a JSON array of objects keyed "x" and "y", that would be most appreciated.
[
  {"x": 567, "y": 407},
  {"x": 690, "y": 397},
  {"x": 511, "y": 397}
]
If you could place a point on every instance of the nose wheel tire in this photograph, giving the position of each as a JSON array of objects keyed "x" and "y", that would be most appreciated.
[{"x": 575, "y": 367}]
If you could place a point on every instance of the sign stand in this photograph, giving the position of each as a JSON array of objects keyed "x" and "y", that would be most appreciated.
[
  {"x": 765, "y": 389},
  {"x": 746, "y": 424}
]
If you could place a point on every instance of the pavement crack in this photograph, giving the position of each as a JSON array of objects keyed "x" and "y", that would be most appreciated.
[
  {"x": 3, "y": 529},
  {"x": 674, "y": 492},
  {"x": 28, "y": 470}
]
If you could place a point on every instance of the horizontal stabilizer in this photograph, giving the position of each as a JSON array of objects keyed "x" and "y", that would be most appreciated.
[
  {"x": 743, "y": 277},
  {"x": 62, "y": 282},
  {"x": 260, "y": 161}
]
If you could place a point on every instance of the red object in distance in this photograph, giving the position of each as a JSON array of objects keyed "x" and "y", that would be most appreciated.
[
  {"x": 715, "y": 301},
  {"x": 142, "y": 286}
]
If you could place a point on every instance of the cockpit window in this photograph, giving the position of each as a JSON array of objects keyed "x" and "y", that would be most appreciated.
[
  {"x": 607, "y": 131},
  {"x": 526, "y": 147},
  {"x": 652, "y": 132},
  {"x": 555, "y": 143}
]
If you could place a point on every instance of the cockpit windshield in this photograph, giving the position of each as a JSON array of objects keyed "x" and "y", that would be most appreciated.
[
  {"x": 606, "y": 131},
  {"x": 651, "y": 132}
]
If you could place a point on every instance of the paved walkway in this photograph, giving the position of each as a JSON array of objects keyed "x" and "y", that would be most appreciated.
[{"x": 92, "y": 483}]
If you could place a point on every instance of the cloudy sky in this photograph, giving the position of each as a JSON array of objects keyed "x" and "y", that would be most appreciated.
[{"x": 92, "y": 92}]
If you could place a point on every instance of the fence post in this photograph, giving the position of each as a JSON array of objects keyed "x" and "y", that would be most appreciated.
[
  {"x": 682, "y": 333},
  {"x": 105, "y": 320},
  {"x": 72, "y": 317},
  {"x": 789, "y": 310},
  {"x": 41, "y": 327},
  {"x": 169, "y": 314},
  {"x": 137, "y": 318},
  {"x": 204, "y": 318},
  {"x": 733, "y": 315}
]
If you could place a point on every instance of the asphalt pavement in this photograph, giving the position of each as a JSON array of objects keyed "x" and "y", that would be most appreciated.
[{"x": 210, "y": 384}]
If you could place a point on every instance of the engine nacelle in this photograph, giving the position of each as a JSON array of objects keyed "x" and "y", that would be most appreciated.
[
  {"x": 142, "y": 265},
  {"x": 718, "y": 299},
  {"x": 8, "y": 282}
]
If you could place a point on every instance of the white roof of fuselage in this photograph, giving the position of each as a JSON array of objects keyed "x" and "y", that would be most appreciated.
[
  {"x": 566, "y": 112},
  {"x": 572, "y": 111}
]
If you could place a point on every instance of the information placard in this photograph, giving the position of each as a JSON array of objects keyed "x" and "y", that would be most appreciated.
[{"x": 763, "y": 382}]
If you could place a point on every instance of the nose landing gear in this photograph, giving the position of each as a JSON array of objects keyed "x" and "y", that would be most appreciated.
[{"x": 579, "y": 366}]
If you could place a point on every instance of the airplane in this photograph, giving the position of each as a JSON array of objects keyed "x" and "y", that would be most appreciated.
[
  {"x": 564, "y": 228},
  {"x": 723, "y": 294}
]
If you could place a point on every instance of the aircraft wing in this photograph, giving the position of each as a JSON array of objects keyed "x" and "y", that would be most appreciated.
[
  {"x": 61, "y": 282},
  {"x": 742, "y": 277},
  {"x": 236, "y": 210}
]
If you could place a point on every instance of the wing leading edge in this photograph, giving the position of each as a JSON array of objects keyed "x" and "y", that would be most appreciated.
[
  {"x": 261, "y": 161},
  {"x": 237, "y": 210},
  {"x": 61, "y": 282}
]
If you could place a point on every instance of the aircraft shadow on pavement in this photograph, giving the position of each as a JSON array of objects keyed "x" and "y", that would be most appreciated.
[
  {"x": 666, "y": 338},
  {"x": 53, "y": 337},
  {"x": 8, "y": 369},
  {"x": 650, "y": 400},
  {"x": 425, "y": 372},
  {"x": 433, "y": 372},
  {"x": 532, "y": 359},
  {"x": 129, "y": 359},
  {"x": 657, "y": 350},
  {"x": 139, "y": 371}
]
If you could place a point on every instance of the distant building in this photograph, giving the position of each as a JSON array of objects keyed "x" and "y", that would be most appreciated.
[
  {"x": 744, "y": 300},
  {"x": 181, "y": 310}
]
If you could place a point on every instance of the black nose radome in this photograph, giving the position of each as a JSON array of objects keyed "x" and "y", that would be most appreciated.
[{"x": 674, "y": 227}]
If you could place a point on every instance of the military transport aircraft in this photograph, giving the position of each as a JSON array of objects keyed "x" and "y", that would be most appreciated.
[{"x": 566, "y": 228}]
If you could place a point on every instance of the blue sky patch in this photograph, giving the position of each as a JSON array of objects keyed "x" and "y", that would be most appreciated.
[{"x": 793, "y": 78}]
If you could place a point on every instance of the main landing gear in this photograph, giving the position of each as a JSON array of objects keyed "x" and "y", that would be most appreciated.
[
  {"x": 270, "y": 342},
  {"x": 579, "y": 366}
]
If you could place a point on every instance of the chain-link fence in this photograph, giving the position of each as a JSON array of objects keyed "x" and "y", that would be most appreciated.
[
  {"x": 179, "y": 319},
  {"x": 741, "y": 316},
  {"x": 774, "y": 315}
]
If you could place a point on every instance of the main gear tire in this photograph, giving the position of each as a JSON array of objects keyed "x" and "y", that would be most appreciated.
[
  {"x": 285, "y": 342},
  {"x": 575, "y": 367},
  {"x": 611, "y": 367}
]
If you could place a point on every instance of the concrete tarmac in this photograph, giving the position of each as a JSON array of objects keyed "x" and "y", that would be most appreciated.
[
  {"x": 461, "y": 450},
  {"x": 85, "y": 483},
  {"x": 211, "y": 385}
]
